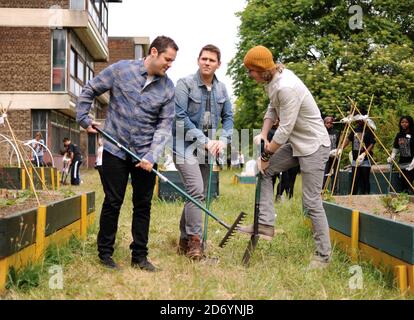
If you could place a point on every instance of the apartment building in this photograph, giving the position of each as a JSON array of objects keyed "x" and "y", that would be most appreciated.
[{"x": 48, "y": 50}]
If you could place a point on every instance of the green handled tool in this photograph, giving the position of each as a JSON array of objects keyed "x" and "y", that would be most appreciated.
[{"x": 178, "y": 189}]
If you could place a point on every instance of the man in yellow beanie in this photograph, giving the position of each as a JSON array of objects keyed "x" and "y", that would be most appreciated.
[{"x": 301, "y": 139}]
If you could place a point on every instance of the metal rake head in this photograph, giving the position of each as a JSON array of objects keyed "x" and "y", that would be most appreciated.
[{"x": 232, "y": 229}]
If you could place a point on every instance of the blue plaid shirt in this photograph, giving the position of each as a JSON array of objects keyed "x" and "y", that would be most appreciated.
[{"x": 138, "y": 117}]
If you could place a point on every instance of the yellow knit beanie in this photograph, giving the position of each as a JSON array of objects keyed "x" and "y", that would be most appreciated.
[{"x": 259, "y": 58}]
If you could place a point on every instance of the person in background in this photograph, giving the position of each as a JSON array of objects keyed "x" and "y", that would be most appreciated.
[
  {"x": 75, "y": 162},
  {"x": 37, "y": 145},
  {"x": 241, "y": 160},
  {"x": 286, "y": 178},
  {"x": 99, "y": 153},
  {"x": 332, "y": 164},
  {"x": 404, "y": 145},
  {"x": 361, "y": 162}
]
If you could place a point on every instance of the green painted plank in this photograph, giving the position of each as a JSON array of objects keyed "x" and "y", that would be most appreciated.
[
  {"x": 345, "y": 179},
  {"x": 17, "y": 231},
  {"x": 339, "y": 218},
  {"x": 246, "y": 179},
  {"x": 392, "y": 237},
  {"x": 90, "y": 207},
  {"x": 10, "y": 178},
  {"x": 168, "y": 193},
  {"x": 62, "y": 213}
]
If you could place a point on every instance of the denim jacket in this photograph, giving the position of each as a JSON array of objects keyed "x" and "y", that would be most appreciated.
[{"x": 190, "y": 105}]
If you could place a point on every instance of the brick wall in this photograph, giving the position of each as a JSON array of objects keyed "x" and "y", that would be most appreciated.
[
  {"x": 21, "y": 123},
  {"x": 42, "y": 4},
  {"x": 25, "y": 59},
  {"x": 118, "y": 50}
]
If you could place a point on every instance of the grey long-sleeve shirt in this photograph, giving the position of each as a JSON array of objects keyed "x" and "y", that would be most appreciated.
[{"x": 300, "y": 123}]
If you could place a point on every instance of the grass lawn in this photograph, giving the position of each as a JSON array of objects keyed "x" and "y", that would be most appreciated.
[{"x": 277, "y": 269}]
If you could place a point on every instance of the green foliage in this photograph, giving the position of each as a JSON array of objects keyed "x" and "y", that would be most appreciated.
[
  {"x": 396, "y": 204},
  {"x": 327, "y": 196},
  {"x": 313, "y": 39},
  {"x": 24, "y": 279},
  {"x": 67, "y": 193},
  {"x": 15, "y": 197},
  {"x": 33, "y": 274}
]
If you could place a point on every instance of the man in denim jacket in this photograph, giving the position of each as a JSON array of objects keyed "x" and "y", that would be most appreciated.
[{"x": 201, "y": 103}]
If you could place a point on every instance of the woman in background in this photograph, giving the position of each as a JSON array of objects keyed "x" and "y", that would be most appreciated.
[{"x": 404, "y": 144}]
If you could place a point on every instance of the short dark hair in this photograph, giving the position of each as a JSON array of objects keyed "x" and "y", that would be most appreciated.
[
  {"x": 65, "y": 140},
  {"x": 211, "y": 48},
  {"x": 161, "y": 43}
]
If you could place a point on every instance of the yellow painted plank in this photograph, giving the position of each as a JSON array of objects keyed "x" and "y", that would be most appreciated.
[
  {"x": 42, "y": 176},
  {"x": 23, "y": 171},
  {"x": 354, "y": 235},
  {"x": 64, "y": 234},
  {"x": 4, "y": 268},
  {"x": 23, "y": 257},
  {"x": 401, "y": 277},
  {"x": 410, "y": 274},
  {"x": 40, "y": 231},
  {"x": 84, "y": 216},
  {"x": 91, "y": 218},
  {"x": 52, "y": 177},
  {"x": 57, "y": 179}
]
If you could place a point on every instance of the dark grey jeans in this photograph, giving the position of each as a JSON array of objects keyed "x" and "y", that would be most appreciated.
[
  {"x": 312, "y": 171},
  {"x": 195, "y": 178}
]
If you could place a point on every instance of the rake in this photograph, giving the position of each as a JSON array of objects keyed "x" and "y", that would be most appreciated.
[{"x": 230, "y": 228}]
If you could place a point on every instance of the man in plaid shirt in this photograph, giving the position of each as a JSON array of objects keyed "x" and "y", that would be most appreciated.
[{"x": 140, "y": 116}]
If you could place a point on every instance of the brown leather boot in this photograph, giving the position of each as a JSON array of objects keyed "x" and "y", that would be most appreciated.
[
  {"x": 195, "y": 251},
  {"x": 182, "y": 246}
]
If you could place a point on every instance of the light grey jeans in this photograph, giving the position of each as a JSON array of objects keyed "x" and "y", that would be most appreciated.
[
  {"x": 195, "y": 178},
  {"x": 312, "y": 170}
]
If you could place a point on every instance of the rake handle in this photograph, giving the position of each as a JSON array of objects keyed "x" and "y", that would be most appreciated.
[{"x": 162, "y": 177}]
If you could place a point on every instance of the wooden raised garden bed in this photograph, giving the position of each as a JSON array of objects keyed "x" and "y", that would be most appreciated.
[
  {"x": 362, "y": 226},
  {"x": 18, "y": 178},
  {"x": 26, "y": 233}
]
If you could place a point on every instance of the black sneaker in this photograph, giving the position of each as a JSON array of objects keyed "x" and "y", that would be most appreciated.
[
  {"x": 109, "y": 263},
  {"x": 144, "y": 265}
]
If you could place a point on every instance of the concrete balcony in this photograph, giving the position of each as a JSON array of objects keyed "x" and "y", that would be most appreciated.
[{"x": 78, "y": 20}]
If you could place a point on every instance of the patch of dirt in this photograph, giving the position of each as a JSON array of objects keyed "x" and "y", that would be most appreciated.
[
  {"x": 13, "y": 201},
  {"x": 373, "y": 204}
]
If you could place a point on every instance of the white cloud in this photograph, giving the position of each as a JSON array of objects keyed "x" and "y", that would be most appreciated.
[{"x": 191, "y": 23}]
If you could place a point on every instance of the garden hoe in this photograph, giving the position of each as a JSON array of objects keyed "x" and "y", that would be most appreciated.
[
  {"x": 230, "y": 229},
  {"x": 254, "y": 239}
]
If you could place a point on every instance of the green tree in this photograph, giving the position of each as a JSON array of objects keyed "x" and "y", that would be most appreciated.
[{"x": 314, "y": 39}]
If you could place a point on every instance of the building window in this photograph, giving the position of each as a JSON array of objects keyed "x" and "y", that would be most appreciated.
[
  {"x": 39, "y": 123},
  {"x": 63, "y": 127},
  {"x": 77, "y": 4},
  {"x": 80, "y": 72},
  {"x": 98, "y": 10},
  {"x": 59, "y": 60},
  {"x": 139, "y": 51}
]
